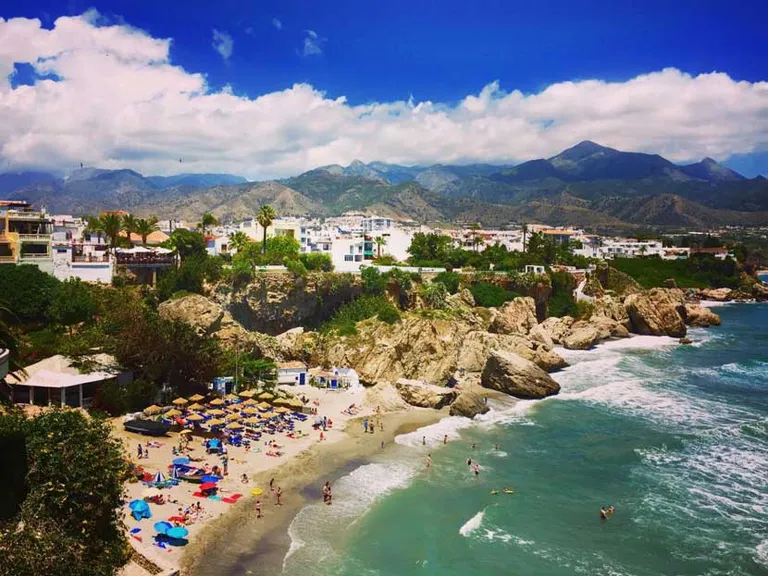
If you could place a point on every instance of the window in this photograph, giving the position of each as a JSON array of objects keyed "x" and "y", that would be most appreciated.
[{"x": 348, "y": 257}]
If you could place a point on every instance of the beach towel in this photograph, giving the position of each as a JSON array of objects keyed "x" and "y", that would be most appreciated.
[
  {"x": 135, "y": 530},
  {"x": 215, "y": 498},
  {"x": 229, "y": 500},
  {"x": 198, "y": 495}
]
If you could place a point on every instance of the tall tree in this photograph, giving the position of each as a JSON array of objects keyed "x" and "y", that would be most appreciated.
[
  {"x": 129, "y": 225},
  {"x": 238, "y": 240},
  {"x": 475, "y": 235},
  {"x": 144, "y": 227},
  {"x": 380, "y": 241},
  {"x": 258, "y": 370},
  {"x": 265, "y": 217},
  {"x": 93, "y": 226},
  {"x": 72, "y": 304},
  {"x": 207, "y": 222},
  {"x": 112, "y": 224},
  {"x": 9, "y": 339},
  {"x": 525, "y": 235},
  {"x": 186, "y": 243}
]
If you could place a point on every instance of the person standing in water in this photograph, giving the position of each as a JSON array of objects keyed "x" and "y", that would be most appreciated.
[
  {"x": 423, "y": 440},
  {"x": 476, "y": 469},
  {"x": 429, "y": 460},
  {"x": 603, "y": 513},
  {"x": 445, "y": 439},
  {"x": 469, "y": 461}
]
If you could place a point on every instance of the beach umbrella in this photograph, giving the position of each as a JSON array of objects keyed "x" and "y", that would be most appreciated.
[
  {"x": 281, "y": 402},
  {"x": 296, "y": 403},
  {"x": 185, "y": 432},
  {"x": 266, "y": 396},
  {"x": 247, "y": 393},
  {"x": 162, "y": 527},
  {"x": 209, "y": 479},
  {"x": 175, "y": 473},
  {"x": 257, "y": 491},
  {"x": 250, "y": 411},
  {"x": 180, "y": 401},
  {"x": 250, "y": 402},
  {"x": 231, "y": 397},
  {"x": 234, "y": 416},
  {"x": 195, "y": 418},
  {"x": 234, "y": 426},
  {"x": 196, "y": 406},
  {"x": 215, "y": 412},
  {"x": 172, "y": 413},
  {"x": 252, "y": 420},
  {"x": 150, "y": 493},
  {"x": 177, "y": 533},
  {"x": 207, "y": 486},
  {"x": 154, "y": 409},
  {"x": 138, "y": 506},
  {"x": 181, "y": 461},
  {"x": 216, "y": 422},
  {"x": 159, "y": 477},
  {"x": 264, "y": 406},
  {"x": 282, "y": 410},
  {"x": 197, "y": 398},
  {"x": 216, "y": 402},
  {"x": 214, "y": 442}
]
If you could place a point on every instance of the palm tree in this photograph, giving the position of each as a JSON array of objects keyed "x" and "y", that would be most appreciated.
[
  {"x": 643, "y": 249},
  {"x": 207, "y": 221},
  {"x": 380, "y": 241},
  {"x": 265, "y": 217},
  {"x": 475, "y": 235},
  {"x": 144, "y": 227},
  {"x": 525, "y": 235},
  {"x": 112, "y": 225},
  {"x": 129, "y": 225},
  {"x": 238, "y": 240},
  {"x": 93, "y": 226}
]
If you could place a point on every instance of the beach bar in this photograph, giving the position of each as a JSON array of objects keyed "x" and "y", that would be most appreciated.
[{"x": 56, "y": 382}]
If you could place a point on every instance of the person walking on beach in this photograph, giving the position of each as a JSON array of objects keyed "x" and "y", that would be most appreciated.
[
  {"x": 278, "y": 493},
  {"x": 429, "y": 460},
  {"x": 140, "y": 451},
  {"x": 382, "y": 444},
  {"x": 271, "y": 484},
  {"x": 423, "y": 440},
  {"x": 258, "y": 508},
  {"x": 325, "y": 492},
  {"x": 365, "y": 425}
]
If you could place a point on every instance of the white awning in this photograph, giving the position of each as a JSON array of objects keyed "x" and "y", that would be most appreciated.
[{"x": 47, "y": 379}]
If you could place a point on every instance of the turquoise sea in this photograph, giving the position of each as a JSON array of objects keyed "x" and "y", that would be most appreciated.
[{"x": 675, "y": 437}]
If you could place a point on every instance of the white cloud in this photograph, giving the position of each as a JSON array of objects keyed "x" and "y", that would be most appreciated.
[
  {"x": 313, "y": 44},
  {"x": 277, "y": 24},
  {"x": 120, "y": 102},
  {"x": 223, "y": 43}
]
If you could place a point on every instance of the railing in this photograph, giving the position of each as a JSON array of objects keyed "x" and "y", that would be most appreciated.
[
  {"x": 90, "y": 258},
  {"x": 35, "y": 237},
  {"x": 34, "y": 256},
  {"x": 5, "y": 259},
  {"x": 145, "y": 260}
]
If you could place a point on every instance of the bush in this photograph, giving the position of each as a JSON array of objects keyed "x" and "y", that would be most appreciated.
[
  {"x": 317, "y": 262},
  {"x": 27, "y": 292},
  {"x": 435, "y": 294},
  {"x": 242, "y": 271},
  {"x": 363, "y": 308},
  {"x": 490, "y": 295},
  {"x": 373, "y": 281},
  {"x": 698, "y": 271},
  {"x": 390, "y": 315},
  {"x": 296, "y": 268},
  {"x": 450, "y": 280}
]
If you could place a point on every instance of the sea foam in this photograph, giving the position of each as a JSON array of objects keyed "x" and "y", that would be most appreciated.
[{"x": 472, "y": 525}]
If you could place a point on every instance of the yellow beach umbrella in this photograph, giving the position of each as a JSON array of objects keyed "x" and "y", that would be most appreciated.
[
  {"x": 216, "y": 402},
  {"x": 264, "y": 406},
  {"x": 252, "y": 420},
  {"x": 215, "y": 412},
  {"x": 281, "y": 402},
  {"x": 234, "y": 426},
  {"x": 296, "y": 403},
  {"x": 234, "y": 407},
  {"x": 257, "y": 491},
  {"x": 282, "y": 410},
  {"x": 195, "y": 418},
  {"x": 216, "y": 422},
  {"x": 250, "y": 411},
  {"x": 197, "y": 398},
  {"x": 266, "y": 396},
  {"x": 185, "y": 432},
  {"x": 154, "y": 409},
  {"x": 268, "y": 414},
  {"x": 247, "y": 393},
  {"x": 172, "y": 413},
  {"x": 195, "y": 406},
  {"x": 231, "y": 397},
  {"x": 250, "y": 402},
  {"x": 179, "y": 401},
  {"x": 231, "y": 417}
]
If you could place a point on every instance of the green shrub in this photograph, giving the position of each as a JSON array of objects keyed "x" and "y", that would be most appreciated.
[
  {"x": 373, "y": 281},
  {"x": 363, "y": 308},
  {"x": 698, "y": 271},
  {"x": 450, "y": 280},
  {"x": 317, "y": 262},
  {"x": 490, "y": 295},
  {"x": 390, "y": 315},
  {"x": 435, "y": 294},
  {"x": 296, "y": 268}
]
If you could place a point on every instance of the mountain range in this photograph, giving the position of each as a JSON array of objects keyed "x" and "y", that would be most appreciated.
[{"x": 586, "y": 185}]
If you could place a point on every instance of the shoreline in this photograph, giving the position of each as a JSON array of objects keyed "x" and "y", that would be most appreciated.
[{"x": 215, "y": 551}]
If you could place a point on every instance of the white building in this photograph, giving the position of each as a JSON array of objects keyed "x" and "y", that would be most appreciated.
[
  {"x": 630, "y": 248},
  {"x": 292, "y": 373}
]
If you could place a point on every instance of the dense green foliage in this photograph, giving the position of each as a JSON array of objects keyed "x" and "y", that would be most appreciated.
[
  {"x": 62, "y": 496},
  {"x": 561, "y": 302},
  {"x": 28, "y": 292},
  {"x": 490, "y": 295},
  {"x": 186, "y": 243},
  {"x": 72, "y": 304},
  {"x": 367, "y": 306},
  {"x": 450, "y": 280},
  {"x": 194, "y": 271},
  {"x": 317, "y": 262},
  {"x": 698, "y": 271},
  {"x": 257, "y": 371},
  {"x": 280, "y": 249},
  {"x": 435, "y": 294}
]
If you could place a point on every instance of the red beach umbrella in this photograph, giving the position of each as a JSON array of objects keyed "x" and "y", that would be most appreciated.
[{"x": 207, "y": 486}]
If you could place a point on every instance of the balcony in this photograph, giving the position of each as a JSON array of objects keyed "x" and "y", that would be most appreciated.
[
  {"x": 35, "y": 237},
  {"x": 8, "y": 259},
  {"x": 35, "y": 256},
  {"x": 146, "y": 260},
  {"x": 94, "y": 258}
]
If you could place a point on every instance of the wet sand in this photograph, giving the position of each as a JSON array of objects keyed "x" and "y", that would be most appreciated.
[{"x": 231, "y": 543}]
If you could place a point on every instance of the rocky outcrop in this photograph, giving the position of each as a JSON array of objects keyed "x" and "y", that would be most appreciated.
[
  {"x": 516, "y": 376},
  {"x": 609, "y": 327},
  {"x": 474, "y": 349},
  {"x": 515, "y": 317},
  {"x": 539, "y": 334},
  {"x": 383, "y": 397},
  {"x": 716, "y": 294},
  {"x": 583, "y": 335},
  {"x": 557, "y": 328},
  {"x": 202, "y": 314},
  {"x": 423, "y": 395},
  {"x": 657, "y": 312},
  {"x": 470, "y": 402},
  {"x": 612, "y": 308},
  {"x": 700, "y": 317}
]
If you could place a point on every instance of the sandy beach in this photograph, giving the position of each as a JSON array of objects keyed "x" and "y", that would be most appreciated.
[{"x": 305, "y": 462}]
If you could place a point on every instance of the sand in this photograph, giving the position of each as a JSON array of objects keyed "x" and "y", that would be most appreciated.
[{"x": 304, "y": 461}]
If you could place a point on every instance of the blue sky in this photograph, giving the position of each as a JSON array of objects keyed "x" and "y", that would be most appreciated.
[{"x": 443, "y": 53}]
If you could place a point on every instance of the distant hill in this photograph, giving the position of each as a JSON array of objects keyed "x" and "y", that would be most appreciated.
[
  {"x": 585, "y": 185},
  {"x": 11, "y": 181}
]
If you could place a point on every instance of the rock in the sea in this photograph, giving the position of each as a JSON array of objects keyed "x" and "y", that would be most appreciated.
[
  {"x": 657, "y": 312},
  {"x": 539, "y": 334},
  {"x": 557, "y": 328},
  {"x": 716, "y": 294},
  {"x": 517, "y": 316},
  {"x": 423, "y": 395},
  {"x": 474, "y": 349},
  {"x": 609, "y": 327},
  {"x": 700, "y": 317},
  {"x": 583, "y": 335},
  {"x": 516, "y": 376},
  {"x": 685, "y": 340},
  {"x": 610, "y": 307},
  {"x": 470, "y": 402}
]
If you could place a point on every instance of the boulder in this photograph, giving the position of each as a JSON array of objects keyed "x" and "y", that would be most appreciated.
[
  {"x": 202, "y": 314},
  {"x": 700, "y": 317},
  {"x": 557, "y": 328},
  {"x": 657, "y": 312},
  {"x": 383, "y": 397},
  {"x": 423, "y": 395},
  {"x": 609, "y": 327},
  {"x": 539, "y": 334},
  {"x": 515, "y": 317},
  {"x": 583, "y": 335},
  {"x": 473, "y": 350},
  {"x": 470, "y": 402},
  {"x": 716, "y": 294},
  {"x": 610, "y": 307},
  {"x": 670, "y": 283},
  {"x": 516, "y": 376},
  {"x": 464, "y": 296},
  {"x": 685, "y": 340}
]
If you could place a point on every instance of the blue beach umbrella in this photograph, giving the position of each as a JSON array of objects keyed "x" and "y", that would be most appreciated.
[
  {"x": 175, "y": 473},
  {"x": 163, "y": 527},
  {"x": 177, "y": 532},
  {"x": 159, "y": 477},
  {"x": 209, "y": 478},
  {"x": 140, "y": 509},
  {"x": 181, "y": 461},
  {"x": 214, "y": 443}
]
